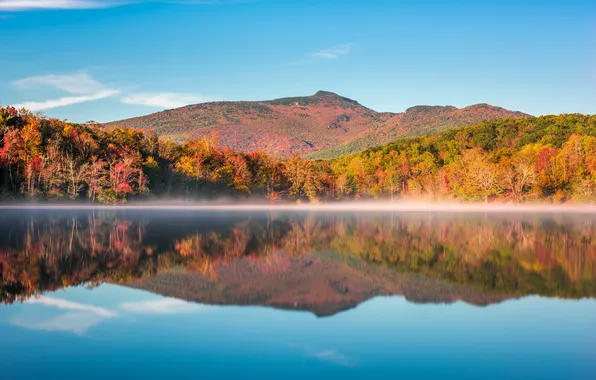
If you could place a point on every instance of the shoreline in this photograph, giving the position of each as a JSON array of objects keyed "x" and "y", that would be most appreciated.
[{"x": 325, "y": 207}]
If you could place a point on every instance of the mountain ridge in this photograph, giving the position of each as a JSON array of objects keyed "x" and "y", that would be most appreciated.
[{"x": 322, "y": 125}]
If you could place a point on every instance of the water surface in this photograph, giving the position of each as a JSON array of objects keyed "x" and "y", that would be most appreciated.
[{"x": 174, "y": 294}]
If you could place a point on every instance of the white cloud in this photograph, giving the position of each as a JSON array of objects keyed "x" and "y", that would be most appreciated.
[
  {"x": 65, "y": 101},
  {"x": 327, "y": 355},
  {"x": 23, "y": 5},
  {"x": 334, "y": 52},
  {"x": 326, "y": 54},
  {"x": 78, "y": 319},
  {"x": 162, "y": 306},
  {"x": 83, "y": 88},
  {"x": 80, "y": 84},
  {"x": 75, "y": 322},
  {"x": 164, "y": 99},
  {"x": 31, "y": 5},
  {"x": 69, "y": 305},
  {"x": 333, "y": 357}
]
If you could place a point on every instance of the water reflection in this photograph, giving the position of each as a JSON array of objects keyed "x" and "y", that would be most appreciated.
[
  {"x": 136, "y": 334},
  {"x": 321, "y": 262}
]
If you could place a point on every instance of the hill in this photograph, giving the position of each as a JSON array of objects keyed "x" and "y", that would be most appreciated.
[{"x": 323, "y": 125}]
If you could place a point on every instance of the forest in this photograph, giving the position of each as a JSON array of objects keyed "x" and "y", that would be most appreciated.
[{"x": 533, "y": 159}]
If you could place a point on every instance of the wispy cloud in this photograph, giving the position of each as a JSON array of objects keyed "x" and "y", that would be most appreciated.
[
  {"x": 162, "y": 306},
  {"x": 24, "y": 5},
  {"x": 78, "y": 319},
  {"x": 333, "y": 357},
  {"x": 164, "y": 99},
  {"x": 81, "y": 85},
  {"x": 32, "y": 5},
  {"x": 64, "y": 101},
  {"x": 77, "y": 83},
  {"x": 326, "y": 54},
  {"x": 334, "y": 52},
  {"x": 78, "y": 322},
  {"x": 69, "y": 305},
  {"x": 326, "y": 355}
]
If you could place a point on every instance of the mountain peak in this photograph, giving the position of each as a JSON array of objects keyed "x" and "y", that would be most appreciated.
[
  {"x": 324, "y": 124},
  {"x": 323, "y": 93},
  {"x": 318, "y": 98}
]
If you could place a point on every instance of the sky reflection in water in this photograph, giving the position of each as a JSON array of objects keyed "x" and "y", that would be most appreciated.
[{"x": 117, "y": 332}]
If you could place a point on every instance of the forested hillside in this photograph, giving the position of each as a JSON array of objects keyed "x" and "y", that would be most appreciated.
[
  {"x": 323, "y": 125},
  {"x": 549, "y": 158}
]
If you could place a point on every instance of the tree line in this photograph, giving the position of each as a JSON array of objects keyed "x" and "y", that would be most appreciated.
[{"x": 547, "y": 158}]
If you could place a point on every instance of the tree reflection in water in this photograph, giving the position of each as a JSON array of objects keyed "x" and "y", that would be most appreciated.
[{"x": 498, "y": 256}]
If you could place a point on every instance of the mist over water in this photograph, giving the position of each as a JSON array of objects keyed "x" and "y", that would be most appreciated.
[{"x": 373, "y": 206}]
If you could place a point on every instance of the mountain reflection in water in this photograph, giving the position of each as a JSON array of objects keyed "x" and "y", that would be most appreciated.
[{"x": 320, "y": 262}]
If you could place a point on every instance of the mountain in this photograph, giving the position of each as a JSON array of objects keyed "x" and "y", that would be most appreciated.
[
  {"x": 320, "y": 126},
  {"x": 323, "y": 283}
]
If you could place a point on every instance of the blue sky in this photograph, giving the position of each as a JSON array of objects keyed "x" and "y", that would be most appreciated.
[{"x": 104, "y": 60}]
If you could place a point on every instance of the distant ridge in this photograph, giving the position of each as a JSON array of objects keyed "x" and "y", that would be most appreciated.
[{"x": 322, "y": 125}]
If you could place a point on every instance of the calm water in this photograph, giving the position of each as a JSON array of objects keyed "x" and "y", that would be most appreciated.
[{"x": 159, "y": 294}]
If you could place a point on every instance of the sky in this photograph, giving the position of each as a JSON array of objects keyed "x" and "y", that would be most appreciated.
[{"x": 105, "y": 60}]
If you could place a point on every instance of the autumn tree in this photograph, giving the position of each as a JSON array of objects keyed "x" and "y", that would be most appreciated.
[
  {"x": 474, "y": 177},
  {"x": 547, "y": 176},
  {"x": 268, "y": 174},
  {"x": 519, "y": 172},
  {"x": 95, "y": 177},
  {"x": 302, "y": 178}
]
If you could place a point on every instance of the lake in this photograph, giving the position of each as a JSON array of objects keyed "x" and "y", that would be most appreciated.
[{"x": 293, "y": 295}]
